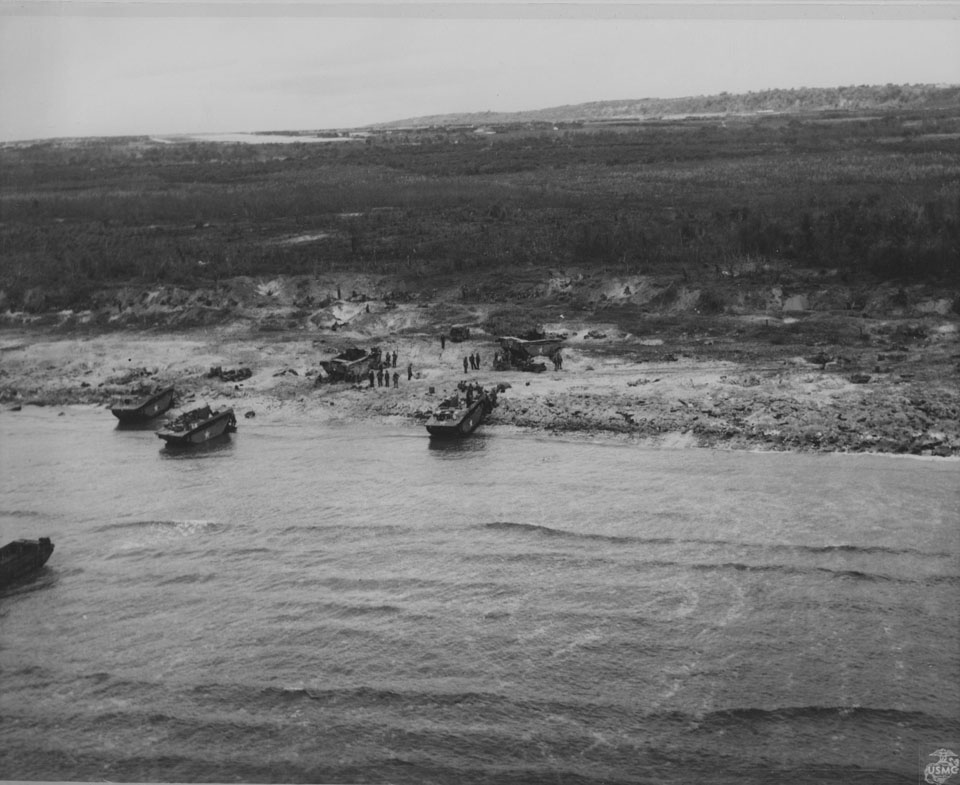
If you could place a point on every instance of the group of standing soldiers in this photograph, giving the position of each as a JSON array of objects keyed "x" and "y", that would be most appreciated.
[
  {"x": 384, "y": 363},
  {"x": 473, "y": 361}
]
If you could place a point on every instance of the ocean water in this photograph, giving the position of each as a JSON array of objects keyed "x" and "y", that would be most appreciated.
[{"x": 306, "y": 603}]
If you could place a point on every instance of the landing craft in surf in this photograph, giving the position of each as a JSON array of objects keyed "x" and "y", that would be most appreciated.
[
  {"x": 457, "y": 417},
  {"x": 198, "y": 426},
  {"x": 131, "y": 409},
  {"x": 21, "y": 557}
]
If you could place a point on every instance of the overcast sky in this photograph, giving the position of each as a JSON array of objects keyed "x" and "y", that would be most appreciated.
[{"x": 80, "y": 68}]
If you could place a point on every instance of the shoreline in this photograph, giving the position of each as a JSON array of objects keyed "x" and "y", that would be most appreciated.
[
  {"x": 674, "y": 441},
  {"x": 672, "y": 392}
]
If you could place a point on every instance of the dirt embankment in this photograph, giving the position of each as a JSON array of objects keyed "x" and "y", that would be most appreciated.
[{"x": 799, "y": 379}]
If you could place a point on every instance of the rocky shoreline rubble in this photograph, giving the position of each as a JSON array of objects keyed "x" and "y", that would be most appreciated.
[{"x": 911, "y": 422}]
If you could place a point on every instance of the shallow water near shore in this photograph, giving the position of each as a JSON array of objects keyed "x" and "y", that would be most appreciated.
[{"x": 301, "y": 602}]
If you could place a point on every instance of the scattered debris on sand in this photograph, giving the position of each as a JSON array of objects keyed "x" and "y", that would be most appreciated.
[{"x": 815, "y": 381}]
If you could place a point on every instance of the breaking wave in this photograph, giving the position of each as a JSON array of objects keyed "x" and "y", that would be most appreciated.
[
  {"x": 186, "y": 527},
  {"x": 510, "y": 526}
]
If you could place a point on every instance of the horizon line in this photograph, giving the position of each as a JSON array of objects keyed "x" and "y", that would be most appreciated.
[{"x": 474, "y": 113}]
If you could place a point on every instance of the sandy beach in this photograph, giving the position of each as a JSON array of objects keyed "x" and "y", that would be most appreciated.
[{"x": 894, "y": 389}]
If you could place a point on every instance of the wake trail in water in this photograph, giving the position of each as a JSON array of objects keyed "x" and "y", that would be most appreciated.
[
  {"x": 186, "y": 526},
  {"x": 510, "y": 526}
]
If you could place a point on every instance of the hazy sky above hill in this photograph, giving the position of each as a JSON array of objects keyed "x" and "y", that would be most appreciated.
[{"x": 89, "y": 69}]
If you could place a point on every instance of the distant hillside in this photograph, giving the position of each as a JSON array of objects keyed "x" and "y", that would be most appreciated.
[{"x": 799, "y": 100}]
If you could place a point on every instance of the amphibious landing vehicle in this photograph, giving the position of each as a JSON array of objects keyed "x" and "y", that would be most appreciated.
[
  {"x": 146, "y": 407},
  {"x": 21, "y": 557},
  {"x": 198, "y": 426}
]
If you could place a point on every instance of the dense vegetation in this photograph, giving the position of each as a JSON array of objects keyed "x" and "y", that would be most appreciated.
[{"x": 873, "y": 195}]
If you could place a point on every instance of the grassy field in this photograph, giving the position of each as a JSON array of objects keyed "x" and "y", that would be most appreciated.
[{"x": 874, "y": 197}]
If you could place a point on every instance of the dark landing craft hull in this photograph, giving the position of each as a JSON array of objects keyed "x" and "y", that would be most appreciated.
[
  {"x": 540, "y": 347},
  {"x": 354, "y": 370},
  {"x": 459, "y": 423},
  {"x": 22, "y": 557},
  {"x": 145, "y": 408},
  {"x": 201, "y": 431}
]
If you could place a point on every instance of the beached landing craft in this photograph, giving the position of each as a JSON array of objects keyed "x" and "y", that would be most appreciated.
[
  {"x": 522, "y": 353},
  {"x": 198, "y": 426},
  {"x": 349, "y": 366},
  {"x": 130, "y": 409},
  {"x": 451, "y": 420},
  {"x": 536, "y": 347},
  {"x": 459, "y": 333},
  {"x": 20, "y": 557}
]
